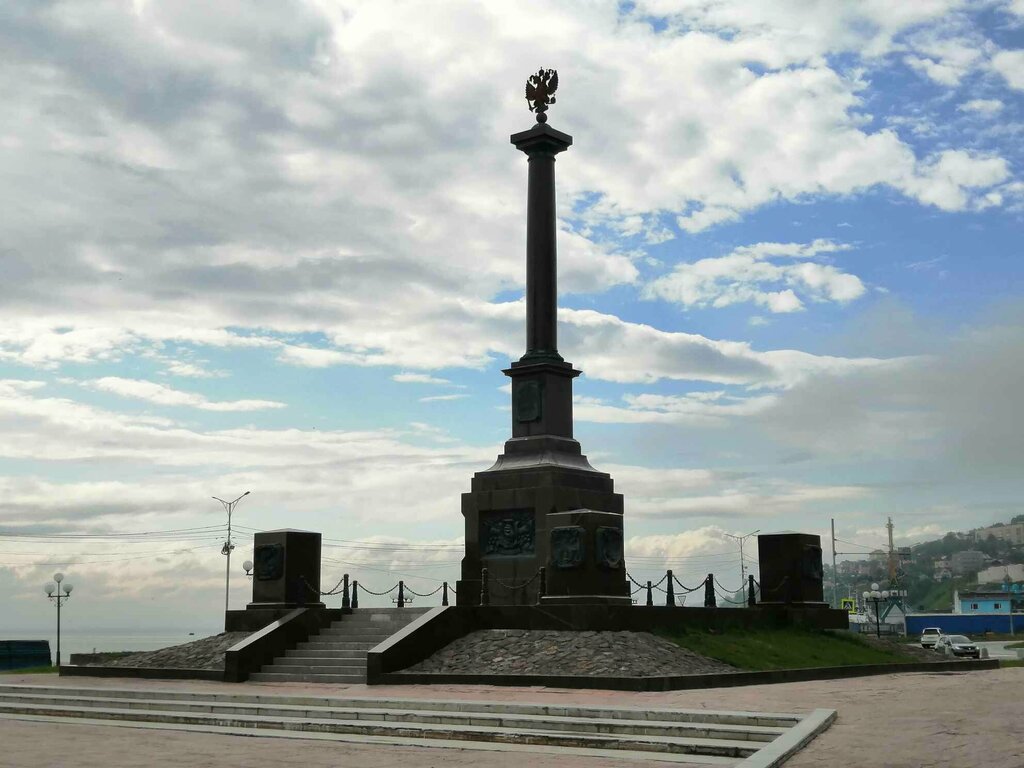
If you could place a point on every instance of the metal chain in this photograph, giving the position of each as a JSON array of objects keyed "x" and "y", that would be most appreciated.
[
  {"x": 731, "y": 591},
  {"x": 653, "y": 584},
  {"x": 330, "y": 592},
  {"x": 419, "y": 594},
  {"x": 688, "y": 589},
  {"x": 513, "y": 587},
  {"x": 378, "y": 594},
  {"x": 726, "y": 599}
]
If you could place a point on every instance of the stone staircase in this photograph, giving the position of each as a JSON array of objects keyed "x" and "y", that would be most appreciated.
[
  {"x": 338, "y": 653},
  {"x": 687, "y": 737}
]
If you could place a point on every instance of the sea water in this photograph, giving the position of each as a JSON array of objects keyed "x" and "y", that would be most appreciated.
[{"x": 110, "y": 639}]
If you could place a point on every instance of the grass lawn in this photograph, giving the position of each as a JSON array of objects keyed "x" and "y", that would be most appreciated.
[
  {"x": 784, "y": 648},
  {"x": 1011, "y": 663},
  {"x": 31, "y": 671},
  {"x": 1015, "y": 645}
]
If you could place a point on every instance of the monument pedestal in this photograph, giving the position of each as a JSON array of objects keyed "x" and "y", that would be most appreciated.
[{"x": 543, "y": 505}]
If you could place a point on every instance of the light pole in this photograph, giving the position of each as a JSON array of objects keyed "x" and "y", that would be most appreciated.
[
  {"x": 876, "y": 597},
  {"x": 228, "y": 546},
  {"x": 53, "y": 591},
  {"x": 743, "y": 567}
]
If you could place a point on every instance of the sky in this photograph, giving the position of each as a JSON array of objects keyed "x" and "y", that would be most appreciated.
[{"x": 279, "y": 247}]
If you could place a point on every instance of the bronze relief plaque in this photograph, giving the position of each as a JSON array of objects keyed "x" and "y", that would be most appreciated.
[
  {"x": 507, "y": 533},
  {"x": 268, "y": 562},
  {"x": 609, "y": 547},
  {"x": 567, "y": 546}
]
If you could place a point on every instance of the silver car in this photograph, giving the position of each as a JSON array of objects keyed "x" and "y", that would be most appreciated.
[{"x": 959, "y": 645}]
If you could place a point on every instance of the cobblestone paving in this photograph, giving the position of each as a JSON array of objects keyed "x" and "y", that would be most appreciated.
[
  {"x": 207, "y": 653},
  {"x": 546, "y": 652}
]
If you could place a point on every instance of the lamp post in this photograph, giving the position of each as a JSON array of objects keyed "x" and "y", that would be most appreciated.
[
  {"x": 247, "y": 567},
  {"x": 741, "y": 539},
  {"x": 876, "y": 597},
  {"x": 58, "y": 594},
  {"x": 229, "y": 506}
]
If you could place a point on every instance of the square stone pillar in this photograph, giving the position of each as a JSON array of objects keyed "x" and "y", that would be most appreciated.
[{"x": 286, "y": 570}]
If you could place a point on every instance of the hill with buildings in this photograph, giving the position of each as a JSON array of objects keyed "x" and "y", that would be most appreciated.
[{"x": 985, "y": 559}]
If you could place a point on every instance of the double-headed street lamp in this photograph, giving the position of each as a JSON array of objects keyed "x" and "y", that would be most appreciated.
[
  {"x": 743, "y": 566},
  {"x": 59, "y": 594},
  {"x": 229, "y": 545},
  {"x": 876, "y": 597}
]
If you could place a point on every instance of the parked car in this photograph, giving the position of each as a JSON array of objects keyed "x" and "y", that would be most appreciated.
[
  {"x": 959, "y": 645},
  {"x": 929, "y": 636}
]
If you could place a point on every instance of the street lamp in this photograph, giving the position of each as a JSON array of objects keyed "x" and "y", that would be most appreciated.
[
  {"x": 743, "y": 568},
  {"x": 54, "y": 592},
  {"x": 247, "y": 567},
  {"x": 876, "y": 597},
  {"x": 229, "y": 506}
]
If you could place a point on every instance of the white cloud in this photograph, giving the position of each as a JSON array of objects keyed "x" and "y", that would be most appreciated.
[
  {"x": 748, "y": 274},
  {"x": 1010, "y": 64},
  {"x": 982, "y": 106},
  {"x": 438, "y": 398},
  {"x": 419, "y": 378},
  {"x": 162, "y": 395}
]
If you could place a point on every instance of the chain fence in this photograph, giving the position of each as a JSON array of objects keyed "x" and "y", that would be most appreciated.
[{"x": 669, "y": 585}]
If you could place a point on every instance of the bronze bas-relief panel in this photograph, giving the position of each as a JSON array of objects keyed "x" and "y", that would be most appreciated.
[
  {"x": 268, "y": 562},
  {"x": 507, "y": 533},
  {"x": 568, "y": 547}
]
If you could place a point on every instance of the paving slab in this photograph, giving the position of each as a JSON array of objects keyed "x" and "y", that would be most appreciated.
[{"x": 933, "y": 720}]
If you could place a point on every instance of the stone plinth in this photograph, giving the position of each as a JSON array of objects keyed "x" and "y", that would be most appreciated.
[
  {"x": 790, "y": 569},
  {"x": 510, "y": 515},
  {"x": 286, "y": 570}
]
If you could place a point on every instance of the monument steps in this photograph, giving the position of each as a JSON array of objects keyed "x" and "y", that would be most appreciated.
[
  {"x": 680, "y": 736},
  {"x": 338, "y": 653}
]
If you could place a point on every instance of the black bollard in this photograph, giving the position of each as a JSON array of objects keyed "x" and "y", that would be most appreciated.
[
  {"x": 751, "y": 597},
  {"x": 444, "y": 593},
  {"x": 709, "y": 592},
  {"x": 542, "y": 587},
  {"x": 485, "y": 594},
  {"x": 670, "y": 590},
  {"x": 401, "y": 594},
  {"x": 355, "y": 595},
  {"x": 650, "y": 593},
  {"x": 345, "y": 601}
]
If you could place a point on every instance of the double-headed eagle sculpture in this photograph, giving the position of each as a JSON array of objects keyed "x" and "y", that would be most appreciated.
[{"x": 540, "y": 90}]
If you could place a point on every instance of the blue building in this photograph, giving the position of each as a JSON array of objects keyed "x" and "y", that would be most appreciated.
[{"x": 982, "y": 602}]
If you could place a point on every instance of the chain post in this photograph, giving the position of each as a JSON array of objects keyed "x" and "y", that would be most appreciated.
[
  {"x": 650, "y": 593},
  {"x": 751, "y": 597},
  {"x": 444, "y": 593},
  {"x": 670, "y": 590},
  {"x": 709, "y": 592},
  {"x": 485, "y": 594},
  {"x": 355, "y": 595},
  {"x": 542, "y": 588},
  {"x": 401, "y": 594},
  {"x": 345, "y": 601}
]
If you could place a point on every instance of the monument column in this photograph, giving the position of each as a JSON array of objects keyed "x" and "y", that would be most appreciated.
[
  {"x": 542, "y": 505},
  {"x": 541, "y": 143}
]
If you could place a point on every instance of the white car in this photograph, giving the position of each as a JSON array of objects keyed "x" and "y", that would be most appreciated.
[{"x": 929, "y": 636}]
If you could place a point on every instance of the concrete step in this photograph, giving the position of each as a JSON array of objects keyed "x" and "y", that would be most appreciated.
[
  {"x": 326, "y": 653},
  {"x": 720, "y": 747},
  {"x": 308, "y": 677},
  {"x": 412, "y": 715},
  {"x": 357, "y": 630},
  {"x": 339, "y": 644},
  {"x": 767, "y": 719},
  {"x": 320, "y": 666}
]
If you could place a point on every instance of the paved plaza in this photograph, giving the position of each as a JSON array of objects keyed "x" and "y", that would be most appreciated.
[{"x": 940, "y": 720}]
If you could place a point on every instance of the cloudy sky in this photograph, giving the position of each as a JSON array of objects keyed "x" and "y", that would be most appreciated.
[{"x": 279, "y": 247}]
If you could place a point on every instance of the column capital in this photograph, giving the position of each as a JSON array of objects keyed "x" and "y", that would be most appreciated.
[{"x": 541, "y": 138}]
